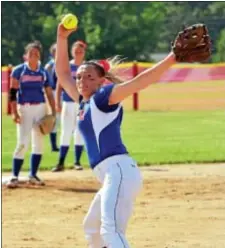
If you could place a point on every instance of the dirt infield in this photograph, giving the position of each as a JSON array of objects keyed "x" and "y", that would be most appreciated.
[{"x": 179, "y": 206}]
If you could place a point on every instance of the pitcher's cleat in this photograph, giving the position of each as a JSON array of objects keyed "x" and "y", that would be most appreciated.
[
  {"x": 12, "y": 183},
  {"x": 59, "y": 167},
  {"x": 35, "y": 180},
  {"x": 78, "y": 167}
]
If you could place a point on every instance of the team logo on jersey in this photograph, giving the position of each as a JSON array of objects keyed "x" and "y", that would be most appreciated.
[{"x": 29, "y": 78}]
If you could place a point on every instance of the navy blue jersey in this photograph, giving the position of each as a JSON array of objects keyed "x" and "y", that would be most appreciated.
[
  {"x": 31, "y": 83},
  {"x": 100, "y": 125},
  {"x": 65, "y": 96}
]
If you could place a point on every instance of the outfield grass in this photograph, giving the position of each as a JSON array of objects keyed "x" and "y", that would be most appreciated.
[
  {"x": 182, "y": 96},
  {"x": 151, "y": 138}
]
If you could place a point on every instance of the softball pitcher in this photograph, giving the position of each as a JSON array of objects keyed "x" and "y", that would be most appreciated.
[
  {"x": 50, "y": 69},
  {"x": 69, "y": 112},
  {"x": 29, "y": 82},
  {"x": 100, "y": 118}
]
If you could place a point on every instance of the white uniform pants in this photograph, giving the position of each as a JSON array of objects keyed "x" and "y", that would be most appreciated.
[
  {"x": 106, "y": 221},
  {"x": 69, "y": 117},
  {"x": 30, "y": 115},
  {"x": 57, "y": 117},
  {"x": 56, "y": 123}
]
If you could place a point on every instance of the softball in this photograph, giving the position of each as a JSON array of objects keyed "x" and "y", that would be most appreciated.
[{"x": 70, "y": 21}]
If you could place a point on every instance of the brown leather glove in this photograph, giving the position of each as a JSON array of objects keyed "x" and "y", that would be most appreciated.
[{"x": 193, "y": 44}]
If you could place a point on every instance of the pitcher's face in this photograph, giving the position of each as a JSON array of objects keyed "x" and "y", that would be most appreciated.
[{"x": 88, "y": 80}]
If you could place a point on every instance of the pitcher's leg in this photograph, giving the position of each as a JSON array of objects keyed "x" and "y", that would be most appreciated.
[
  {"x": 92, "y": 223},
  {"x": 116, "y": 209}
]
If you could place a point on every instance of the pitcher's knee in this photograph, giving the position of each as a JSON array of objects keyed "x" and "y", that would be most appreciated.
[
  {"x": 110, "y": 240},
  {"x": 108, "y": 235},
  {"x": 114, "y": 239},
  {"x": 92, "y": 234}
]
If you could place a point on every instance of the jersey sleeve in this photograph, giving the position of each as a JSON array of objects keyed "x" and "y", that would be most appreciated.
[
  {"x": 46, "y": 79},
  {"x": 101, "y": 98},
  {"x": 16, "y": 72},
  {"x": 49, "y": 65},
  {"x": 54, "y": 79}
]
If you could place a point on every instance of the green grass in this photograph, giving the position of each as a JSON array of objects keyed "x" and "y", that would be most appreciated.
[
  {"x": 151, "y": 138},
  {"x": 175, "y": 137}
]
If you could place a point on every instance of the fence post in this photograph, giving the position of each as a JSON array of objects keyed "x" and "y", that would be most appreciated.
[
  {"x": 135, "y": 95},
  {"x": 8, "y": 103}
]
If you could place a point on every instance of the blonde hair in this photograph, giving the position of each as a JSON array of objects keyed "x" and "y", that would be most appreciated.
[
  {"x": 52, "y": 48},
  {"x": 109, "y": 73}
]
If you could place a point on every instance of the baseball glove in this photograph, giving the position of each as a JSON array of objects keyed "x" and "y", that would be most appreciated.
[
  {"x": 46, "y": 124},
  {"x": 193, "y": 44}
]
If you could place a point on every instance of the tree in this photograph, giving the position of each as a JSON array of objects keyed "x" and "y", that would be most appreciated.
[
  {"x": 220, "y": 47},
  {"x": 134, "y": 30},
  {"x": 126, "y": 28}
]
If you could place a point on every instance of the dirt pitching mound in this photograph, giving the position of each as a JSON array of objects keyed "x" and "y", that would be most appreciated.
[{"x": 179, "y": 207}]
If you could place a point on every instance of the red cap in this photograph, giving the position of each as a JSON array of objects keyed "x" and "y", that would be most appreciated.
[{"x": 105, "y": 64}]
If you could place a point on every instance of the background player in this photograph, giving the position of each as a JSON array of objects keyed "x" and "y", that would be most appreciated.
[
  {"x": 50, "y": 69},
  {"x": 100, "y": 120},
  {"x": 29, "y": 82},
  {"x": 69, "y": 112}
]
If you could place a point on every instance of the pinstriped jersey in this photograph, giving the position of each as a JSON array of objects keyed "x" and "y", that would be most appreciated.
[{"x": 31, "y": 83}]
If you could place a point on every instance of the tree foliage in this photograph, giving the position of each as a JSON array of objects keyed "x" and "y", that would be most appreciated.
[{"x": 134, "y": 30}]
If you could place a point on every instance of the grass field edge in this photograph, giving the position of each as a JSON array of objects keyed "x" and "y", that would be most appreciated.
[{"x": 85, "y": 166}]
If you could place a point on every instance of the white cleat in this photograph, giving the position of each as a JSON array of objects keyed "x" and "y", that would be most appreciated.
[
  {"x": 34, "y": 180},
  {"x": 12, "y": 183},
  {"x": 78, "y": 167}
]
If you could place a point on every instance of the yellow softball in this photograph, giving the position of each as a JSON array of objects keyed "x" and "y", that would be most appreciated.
[{"x": 69, "y": 21}]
